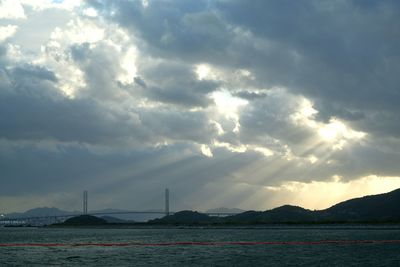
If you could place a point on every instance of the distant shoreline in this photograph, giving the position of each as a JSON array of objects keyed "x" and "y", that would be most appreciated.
[{"x": 322, "y": 226}]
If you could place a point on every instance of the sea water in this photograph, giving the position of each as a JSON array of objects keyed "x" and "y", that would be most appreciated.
[{"x": 302, "y": 247}]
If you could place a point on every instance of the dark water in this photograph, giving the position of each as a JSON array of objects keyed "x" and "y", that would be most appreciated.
[{"x": 359, "y": 254}]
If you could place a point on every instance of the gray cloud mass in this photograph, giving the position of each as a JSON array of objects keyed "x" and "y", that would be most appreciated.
[{"x": 227, "y": 96}]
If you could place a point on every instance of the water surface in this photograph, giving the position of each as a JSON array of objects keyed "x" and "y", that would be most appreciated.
[{"x": 342, "y": 254}]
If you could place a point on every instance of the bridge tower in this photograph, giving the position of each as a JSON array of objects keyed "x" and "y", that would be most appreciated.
[
  {"x": 85, "y": 202},
  {"x": 166, "y": 201}
]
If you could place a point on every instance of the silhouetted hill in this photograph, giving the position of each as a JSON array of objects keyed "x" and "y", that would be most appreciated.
[
  {"x": 111, "y": 219},
  {"x": 375, "y": 208},
  {"x": 244, "y": 217},
  {"x": 289, "y": 214},
  {"x": 183, "y": 217},
  {"x": 225, "y": 210},
  {"x": 281, "y": 214},
  {"x": 382, "y": 207},
  {"x": 84, "y": 220}
]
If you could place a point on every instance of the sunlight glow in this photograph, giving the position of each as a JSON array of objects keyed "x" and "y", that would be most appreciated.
[
  {"x": 46, "y": 4},
  {"x": 70, "y": 83},
  {"x": 244, "y": 148},
  {"x": 228, "y": 104},
  {"x": 202, "y": 71},
  {"x": 145, "y": 3},
  {"x": 323, "y": 194},
  {"x": 336, "y": 129},
  {"x": 265, "y": 151},
  {"x": 230, "y": 147},
  {"x": 10, "y": 9},
  {"x": 331, "y": 131},
  {"x": 206, "y": 151},
  {"x": 208, "y": 72},
  {"x": 90, "y": 12},
  {"x": 129, "y": 66},
  {"x": 79, "y": 31},
  {"x": 7, "y": 31},
  {"x": 218, "y": 126},
  {"x": 305, "y": 114},
  {"x": 312, "y": 159},
  {"x": 335, "y": 132}
]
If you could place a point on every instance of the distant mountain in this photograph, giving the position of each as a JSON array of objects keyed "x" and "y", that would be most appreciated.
[
  {"x": 225, "y": 210},
  {"x": 183, "y": 217},
  {"x": 285, "y": 213},
  {"x": 137, "y": 217},
  {"x": 40, "y": 212}
]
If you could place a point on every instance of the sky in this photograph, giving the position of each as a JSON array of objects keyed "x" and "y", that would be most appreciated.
[{"x": 228, "y": 103}]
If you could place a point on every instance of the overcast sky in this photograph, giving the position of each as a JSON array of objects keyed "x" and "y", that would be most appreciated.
[{"x": 228, "y": 103}]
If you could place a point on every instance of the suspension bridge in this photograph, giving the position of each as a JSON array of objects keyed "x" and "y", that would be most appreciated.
[{"x": 49, "y": 219}]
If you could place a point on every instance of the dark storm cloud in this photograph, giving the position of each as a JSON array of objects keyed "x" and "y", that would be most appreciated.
[
  {"x": 139, "y": 81},
  {"x": 187, "y": 28},
  {"x": 342, "y": 54},
  {"x": 270, "y": 117},
  {"x": 356, "y": 162},
  {"x": 175, "y": 83},
  {"x": 100, "y": 67},
  {"x": 32, "y": 108},
  {"x": 30, "y": 72},
  {"x": 177, "y": 125},
  {"x": 120, "y": 138},
  {"x": 34, "y": 118},
  {"x": 51, "y": 143},
  {"x": 169, "y": 82},
  {"x": 102, "y": 112}
]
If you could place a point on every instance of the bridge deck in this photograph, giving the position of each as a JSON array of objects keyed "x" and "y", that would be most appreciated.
[{"x": 7, "y": 219}]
